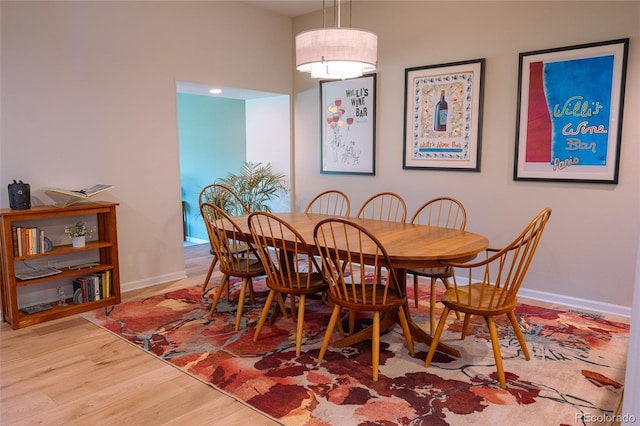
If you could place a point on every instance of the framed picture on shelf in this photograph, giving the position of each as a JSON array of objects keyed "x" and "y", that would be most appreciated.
[
  {"x": 569, "y": 119},
  {"x": 347, "y": 135},
  {"x": 443, "y": 116}
]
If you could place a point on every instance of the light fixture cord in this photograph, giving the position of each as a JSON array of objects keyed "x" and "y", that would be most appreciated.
[
  {"x": 336, "y": 13},
  {"x": 324, "y": 15}
]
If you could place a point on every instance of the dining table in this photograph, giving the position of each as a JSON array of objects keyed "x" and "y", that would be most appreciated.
[{"x": 408, "y": 245}]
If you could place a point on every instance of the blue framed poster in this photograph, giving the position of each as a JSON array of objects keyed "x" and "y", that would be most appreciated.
[{"x": 570, "y": 103}]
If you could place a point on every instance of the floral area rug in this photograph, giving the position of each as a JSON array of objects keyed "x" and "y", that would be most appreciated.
[{"x": 575, "y": 374}]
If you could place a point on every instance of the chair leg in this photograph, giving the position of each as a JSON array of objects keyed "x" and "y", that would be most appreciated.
[
  {"x": 251, "y": 295},
  {"x": 209, "y": 273},
  {"x": 519, "y": 335},
  {"x": 263, "y": 316},
  {"x": 224, "y": 282},
  {"x": 243, "y": 291},
  {"x": 436, "y": 337},
  {"x": 299, "y": 328},
  {"x": 340, "y": 328},
  {"x": 327, "y": 334},
  {"x": 405, "y": 329},
  {"x": 432, "y": 306},
  {"x": 375, "y": 349},
  {"x": 416, "y": 293},
  {"x": 352, "y": 321},
  {"x": 283, "y": 309},
  {"x": 445, "y": 281},
  {"x": 495, "y": 344},
  {"x": 465, "y": 325},
  {"x": 292, "y": 302}
]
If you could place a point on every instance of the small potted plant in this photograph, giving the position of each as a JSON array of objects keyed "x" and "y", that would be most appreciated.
[{"x": 78, "y": 232}]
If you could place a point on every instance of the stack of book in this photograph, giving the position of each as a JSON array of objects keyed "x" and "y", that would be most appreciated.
[
  {"x": 92, "y": 287},
  {"x": 27, "y": 241}
]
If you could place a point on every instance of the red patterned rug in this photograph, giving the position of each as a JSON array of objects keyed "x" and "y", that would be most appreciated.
[{"x": 575, "y": 375}]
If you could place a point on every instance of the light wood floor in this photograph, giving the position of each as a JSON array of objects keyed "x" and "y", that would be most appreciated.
[{"x": 71, "y": 372}]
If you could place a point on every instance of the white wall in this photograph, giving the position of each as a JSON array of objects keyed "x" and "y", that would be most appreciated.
[
  {"x": 269, "y": 139},
  {"x": 589, "y": 247},
  {"x": 631, "y": 406},
  {"x": 88, "y": 96}
]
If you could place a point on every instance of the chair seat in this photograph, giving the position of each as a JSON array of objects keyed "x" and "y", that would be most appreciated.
[
  {"x": 393, "y": 299},
  {"x": 251, "y": 268},
  {"x": 317, "y": 284},
  {"x": 438, "y": 272},
  {"x": 483, "y": 300},
  {"x": 240, "y": 248}
]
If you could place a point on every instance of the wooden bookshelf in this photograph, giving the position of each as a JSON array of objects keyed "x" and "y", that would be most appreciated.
[{"x": 106, "y": 248}]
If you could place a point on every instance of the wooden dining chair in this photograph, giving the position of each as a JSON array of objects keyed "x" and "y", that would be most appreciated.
[
  {"x": 495, "y": 282},
  {"x": 339, "y": 242},
  {"x": 332, "y": 202},
  {"x": 236, "y": 255},
  {"x": 290, "y": 267},
  {"x": 384, "y": 206},
  {"x": 387, "y": 206},
  {"x": 444, "y": 212},
  {"x": 226, "y": 199}
]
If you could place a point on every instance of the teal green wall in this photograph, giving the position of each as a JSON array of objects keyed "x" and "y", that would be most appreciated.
[{"x": 212, "y": 140}]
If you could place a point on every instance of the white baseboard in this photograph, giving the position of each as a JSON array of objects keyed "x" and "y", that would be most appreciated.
[
  {"x": 197, "y": 240},
  {"x": 575, "y": 302},
  {"x": 149, "y": 282}
]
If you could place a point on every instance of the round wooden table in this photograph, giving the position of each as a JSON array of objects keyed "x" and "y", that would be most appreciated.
[{"x": 409, "y": 246}]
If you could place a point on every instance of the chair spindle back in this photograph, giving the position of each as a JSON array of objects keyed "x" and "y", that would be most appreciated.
[
  {"x": 384, "y": 206},
  {"x": 331, "y": 202},
  {"x": 499, "y": 276},
  {"x": 288, "y": 265},
  {"x": 225, "y": 198},
  {"x": 345, "y": 248},
  {"x": 445, "y": 212},
  {"x": 229, "y": 243}
]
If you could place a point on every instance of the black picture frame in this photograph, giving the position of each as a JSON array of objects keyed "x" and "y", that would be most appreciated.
[
  {"x": 569, "y": 113},
  {"x": 439, "y": 140}
]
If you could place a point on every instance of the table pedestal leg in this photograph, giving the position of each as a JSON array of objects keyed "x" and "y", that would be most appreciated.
[{"x": 389, "y": 320}]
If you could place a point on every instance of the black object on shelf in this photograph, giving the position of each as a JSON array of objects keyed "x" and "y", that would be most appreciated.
[{"x": 19, "y": 195}]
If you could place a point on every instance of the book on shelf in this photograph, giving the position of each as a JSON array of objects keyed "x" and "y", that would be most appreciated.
[
  {"x": 27, "y": 241},
  {"x": 67, "y": 197},
  {"x": 92, "y": 287}
]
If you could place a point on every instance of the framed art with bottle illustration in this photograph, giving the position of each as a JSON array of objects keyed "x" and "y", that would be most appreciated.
[
  {"x": 569, "y": 120},
  {"x": 443, "y": 116},
  {"x": 348, "y": 125}
]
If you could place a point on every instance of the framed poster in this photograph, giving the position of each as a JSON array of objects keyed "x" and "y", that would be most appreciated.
[
  {"x": 443, "y": 116},
  {"x": 569, "y": 120},
  {"x": 348, "y": 125}
]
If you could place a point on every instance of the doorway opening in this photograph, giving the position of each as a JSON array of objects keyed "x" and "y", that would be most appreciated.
[{"x": 217, "y": 132}]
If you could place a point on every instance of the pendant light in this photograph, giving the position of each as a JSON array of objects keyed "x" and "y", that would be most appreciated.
[{"x": 336, "y": 52}]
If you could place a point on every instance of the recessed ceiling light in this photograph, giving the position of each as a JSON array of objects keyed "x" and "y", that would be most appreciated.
[{"x": 215, "y": 91}]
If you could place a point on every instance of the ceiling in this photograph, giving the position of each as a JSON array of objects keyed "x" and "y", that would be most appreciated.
[{"x": 290, "y": 8}]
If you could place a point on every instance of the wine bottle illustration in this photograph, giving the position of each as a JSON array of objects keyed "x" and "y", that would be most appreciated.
[{"x": 440, "y": 116}]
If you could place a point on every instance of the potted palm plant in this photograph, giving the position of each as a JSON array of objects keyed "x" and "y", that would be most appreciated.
[{"x": 256, "y": 184}]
